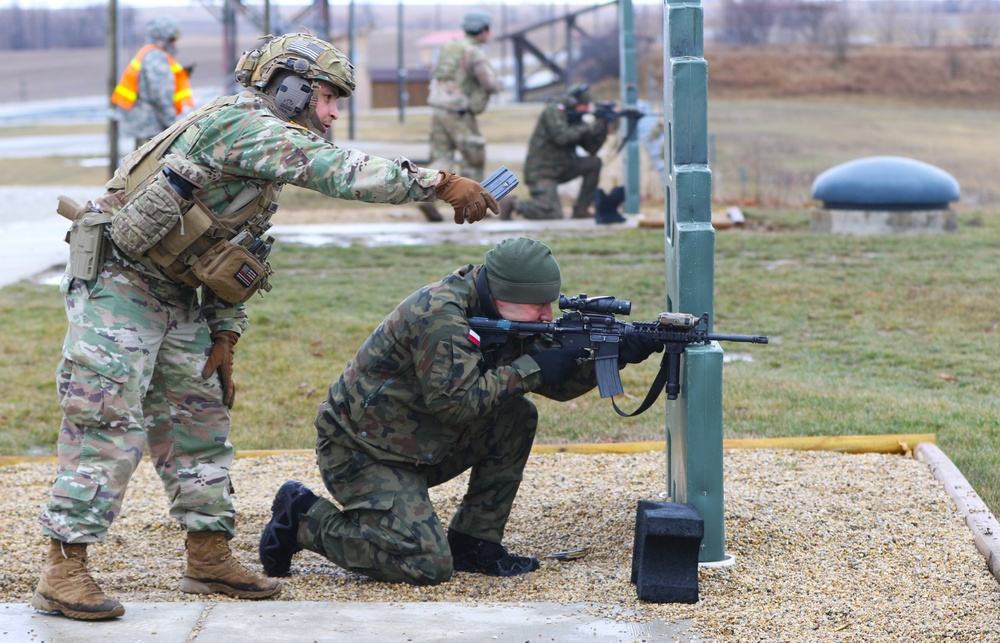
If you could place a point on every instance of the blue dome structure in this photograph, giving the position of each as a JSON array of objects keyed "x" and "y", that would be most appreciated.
[{"x": 886, "y": 183}]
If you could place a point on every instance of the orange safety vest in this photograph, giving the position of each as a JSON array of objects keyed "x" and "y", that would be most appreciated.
[{"x": 128, "y": 86}]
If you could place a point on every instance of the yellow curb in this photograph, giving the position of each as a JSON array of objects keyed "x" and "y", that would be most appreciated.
[{"x": 895, "y": 443}]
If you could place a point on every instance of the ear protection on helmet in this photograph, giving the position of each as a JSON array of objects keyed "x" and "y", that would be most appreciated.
[{"x": 292, "y": 95}]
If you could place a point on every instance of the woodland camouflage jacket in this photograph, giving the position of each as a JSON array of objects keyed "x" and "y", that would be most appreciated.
[{"x": 420, "y": 380}]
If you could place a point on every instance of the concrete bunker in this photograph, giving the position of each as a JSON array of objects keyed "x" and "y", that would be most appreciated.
[{"x": 884, "y": 195}]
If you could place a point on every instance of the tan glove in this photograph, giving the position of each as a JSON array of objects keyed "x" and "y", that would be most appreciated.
[
  {"x": 470, "y": 199},
  {"x": 220, "y": 361}
]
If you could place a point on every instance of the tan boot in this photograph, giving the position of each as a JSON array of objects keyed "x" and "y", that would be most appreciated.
[
  {"x": 211, "y": 569},
  {"x": 67, "y": 587}
]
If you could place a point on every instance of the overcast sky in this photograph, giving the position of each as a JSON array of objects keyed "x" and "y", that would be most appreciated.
[{"x": 56, "y": 4}]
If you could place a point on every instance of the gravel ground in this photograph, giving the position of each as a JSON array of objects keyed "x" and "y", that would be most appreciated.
[{"x": 827, "y": 546}]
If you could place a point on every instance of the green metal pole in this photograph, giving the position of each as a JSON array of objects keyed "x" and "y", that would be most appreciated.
[
  {"x": 694, "y": 420},
  {"x": 629, "y": 96}
]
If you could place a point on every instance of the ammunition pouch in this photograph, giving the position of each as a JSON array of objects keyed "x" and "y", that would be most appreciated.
[
  {"x": 148, "y": 217},
  {"x": 231, "y": 271},
  {"x": 87, "y": 243}
]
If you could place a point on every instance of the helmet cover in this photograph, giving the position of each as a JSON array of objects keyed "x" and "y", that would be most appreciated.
[
  {"x": 162, "y": 29},
  {"x": 304, "y": 55},
  {"x": 476, "y": 21}
]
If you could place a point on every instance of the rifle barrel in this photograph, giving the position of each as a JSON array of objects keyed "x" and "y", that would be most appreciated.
[{"x": 752, "y": 339}]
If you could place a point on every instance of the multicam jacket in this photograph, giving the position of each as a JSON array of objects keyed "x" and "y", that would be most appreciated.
[
  {"x": 245, "y": 144},
  {"x": 554, "y": 141},
  {"x": 464, "y": 79},
  {"x": 421, "y": 379}
]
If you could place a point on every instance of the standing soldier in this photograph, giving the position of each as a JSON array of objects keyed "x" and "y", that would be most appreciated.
[
  {"x": 461, "y": 86},
  {"x": 552, "y": 160},
  {"x": 154, "y": 89},
  {"x": 148, "y": 359}
]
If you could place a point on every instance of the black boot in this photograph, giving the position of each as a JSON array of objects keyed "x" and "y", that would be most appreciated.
[
  {"x": 606, "y": 205},
  {"x": 278, "y": 542},
  {"x": 471, "y": 554}
]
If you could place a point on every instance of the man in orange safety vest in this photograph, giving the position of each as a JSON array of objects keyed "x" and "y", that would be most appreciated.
[{"x": 154, "y": 90}]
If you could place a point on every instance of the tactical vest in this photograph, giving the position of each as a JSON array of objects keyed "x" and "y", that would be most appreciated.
[
  {"x": 451, "y": 87},
  {"x": 181, "y": 236},
  {"x": 127, "y": 90}
]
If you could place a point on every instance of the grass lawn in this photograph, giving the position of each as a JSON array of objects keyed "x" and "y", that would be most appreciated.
[{"x": 869, "y": 335}]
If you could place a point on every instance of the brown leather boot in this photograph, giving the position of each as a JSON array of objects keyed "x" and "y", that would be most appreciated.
[
  {"x": 67, "y": 587},
  {"x": 211, "y": 569},
  {"x": 581, "y": 212}
]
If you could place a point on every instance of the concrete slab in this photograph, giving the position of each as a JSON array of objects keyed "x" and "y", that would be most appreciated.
[
  {"x": 142, "y": 623},
  {"x": 366, "y": 622},
  {"x": 239, "y": 622}
]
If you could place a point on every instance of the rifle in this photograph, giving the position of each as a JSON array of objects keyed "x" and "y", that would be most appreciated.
[
  {"x": 590, "y": 323},
  {"x": 605, "y": 111}
]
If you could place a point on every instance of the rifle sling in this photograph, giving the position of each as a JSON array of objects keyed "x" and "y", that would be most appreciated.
[{"x": 659, "y": 383}]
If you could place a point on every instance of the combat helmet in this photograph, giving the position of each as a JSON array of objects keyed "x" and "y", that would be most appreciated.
[
  {"x": 475, "y": 21},
  {"x": 162, "y": 29},
  {"x": 272, "y": 68}
]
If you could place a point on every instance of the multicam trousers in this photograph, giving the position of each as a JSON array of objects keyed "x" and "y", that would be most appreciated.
[
  {"x": 451, "y": 131},
  {"x": 130, "y": 377},
  {"x": 388, "y": 529}
]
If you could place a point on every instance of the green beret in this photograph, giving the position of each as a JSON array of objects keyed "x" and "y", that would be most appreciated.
[{"x": 523, "y": 271}]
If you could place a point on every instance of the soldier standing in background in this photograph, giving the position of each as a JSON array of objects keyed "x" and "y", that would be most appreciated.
[
  {"x": 461, "y": 86},
  {"x": 552, "y": 159},
  {"x": 154, "y": 90},
  {"x": 423, "y": 400},
  {"x": 148, "y": 359}
]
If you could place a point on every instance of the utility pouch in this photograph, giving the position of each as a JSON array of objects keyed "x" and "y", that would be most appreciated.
[
  {"x": 87, "y": 243},
  {"x": 232, "y": 272},
  {"x": 148, "y": 216}
]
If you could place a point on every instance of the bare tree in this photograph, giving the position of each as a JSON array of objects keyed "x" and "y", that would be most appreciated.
[
  {"x": 982, "y": 24},
  {"x": 747, "y": 22},
  {"x": 885, "y": 14},
  {"x": 837, "y": 30},
  {"x": 925, "y": 26}
]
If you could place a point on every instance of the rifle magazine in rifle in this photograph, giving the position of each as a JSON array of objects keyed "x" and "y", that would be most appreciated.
[{"x": 609, "y": 382}]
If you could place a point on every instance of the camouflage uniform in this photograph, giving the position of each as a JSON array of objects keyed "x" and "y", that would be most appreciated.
[
  {"x": 154, "y": 109},
  {"x": 552, "y": 160},
  {"x": 131, "y": 373},
  {"x": 461, "y": 87},
  {"x": 420, "y": 403}
]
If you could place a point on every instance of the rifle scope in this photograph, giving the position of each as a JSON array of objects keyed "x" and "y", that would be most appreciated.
[{"x": 603, "y": 305}]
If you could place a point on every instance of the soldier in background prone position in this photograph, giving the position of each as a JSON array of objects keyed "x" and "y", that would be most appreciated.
[{"x": 148, "y": 359}]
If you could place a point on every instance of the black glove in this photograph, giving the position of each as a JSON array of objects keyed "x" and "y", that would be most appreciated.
[
  {"x": 557, "y": 364},
  {"x": 636, "y": 348}
]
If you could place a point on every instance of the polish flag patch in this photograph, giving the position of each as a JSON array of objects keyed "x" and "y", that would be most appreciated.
[{"x": 474, "y": 337}]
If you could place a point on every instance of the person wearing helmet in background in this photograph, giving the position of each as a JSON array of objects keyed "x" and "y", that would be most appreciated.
[
  {"x": 148, "y": 356},
  {"x": 154, "y": 90},
  {"x": 461, "y": 86},
  {"x": 552, "y": 160}
]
